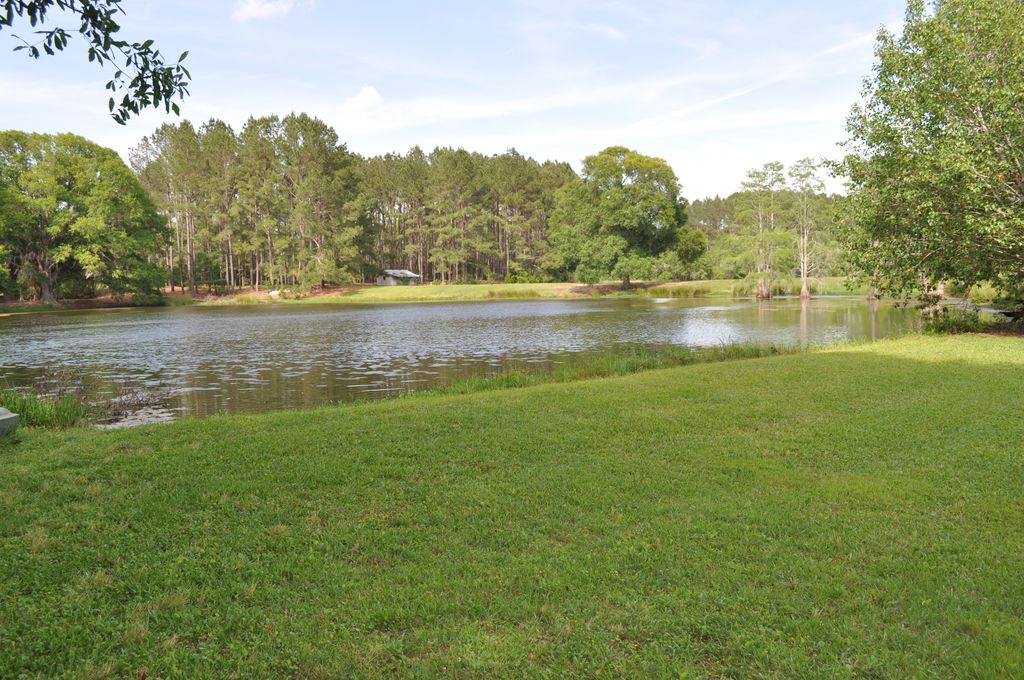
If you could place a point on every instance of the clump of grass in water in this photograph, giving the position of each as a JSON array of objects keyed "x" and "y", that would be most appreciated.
[
  {"x": 63, "y": 398},
  {"x": 678, "y": 291},
  {"x": 513, "y": 294},
  {"x": 749, "y": 288},
  {"x": 620, "y": 360},
  {"x": 36, "y": 411}
]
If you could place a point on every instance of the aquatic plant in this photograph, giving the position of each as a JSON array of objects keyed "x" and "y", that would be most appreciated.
[
  {"x": 622, "y": 359},
  {"x": 683, "y": 291},
  {"x": 37, "y": 411}
]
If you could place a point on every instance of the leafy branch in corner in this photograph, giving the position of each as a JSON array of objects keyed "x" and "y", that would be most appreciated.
[{"x": 141, "y": 72}]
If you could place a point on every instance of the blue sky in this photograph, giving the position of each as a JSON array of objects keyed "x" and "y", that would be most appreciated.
[{"x": 715, "y": 88}]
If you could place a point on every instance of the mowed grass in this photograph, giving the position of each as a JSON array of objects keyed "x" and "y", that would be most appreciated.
[
  {"x": 452, "y": 293},
  {"x": 535, "y": 291},
  {"x": 853, "y": 512}
]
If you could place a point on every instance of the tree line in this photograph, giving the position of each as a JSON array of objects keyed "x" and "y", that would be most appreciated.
[
  {"x": 780, "y": 227},
  {"x": 284, "y": 204},
  {"x": 933, "y": 162}
]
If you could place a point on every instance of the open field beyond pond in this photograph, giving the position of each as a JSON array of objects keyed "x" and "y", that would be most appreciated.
[
  {"x": 840, "y": 513},
  {"x": 550, "y": 291}
]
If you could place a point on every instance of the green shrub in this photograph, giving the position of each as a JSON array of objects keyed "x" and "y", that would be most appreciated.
[
  {"x": 245, "y": 300},
  {"x": 984, "y": 294},
  {"x": 954, "y": 321},
  {"x": 149, "y": 300},
  {"x": 179, "y": 300}
]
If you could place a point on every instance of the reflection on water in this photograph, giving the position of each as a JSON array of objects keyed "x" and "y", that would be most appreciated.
[{"x": 233, "y": 359}]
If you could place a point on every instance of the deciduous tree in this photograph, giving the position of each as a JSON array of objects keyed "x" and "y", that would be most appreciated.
[
  {"x": 935, "y": 155},
  {"x": 75, "y": 218},
  {"x": 619, "y": 216}
]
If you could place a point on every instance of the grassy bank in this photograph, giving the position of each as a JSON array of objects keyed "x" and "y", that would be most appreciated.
[
  {"x": 618, "y": 360},
  {"x": 845, "y": 512},
  {"x": 834, "y": 285},
  {"x": 533, "y": 291},
  {"x": 9, "y": 309},
  {"x": 454, "y": 293},
  {"x": 730, "y": 288}
]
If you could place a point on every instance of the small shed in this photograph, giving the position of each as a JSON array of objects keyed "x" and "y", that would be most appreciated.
[{"x": 397, "y": 277}]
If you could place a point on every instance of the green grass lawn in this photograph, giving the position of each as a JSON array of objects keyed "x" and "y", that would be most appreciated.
[
  {"x": 852, "y": 512},
  {"x": 453, "y": 293}
]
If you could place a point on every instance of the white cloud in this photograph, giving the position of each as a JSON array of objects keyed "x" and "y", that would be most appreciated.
[
  {"x": 246, "y": 10},
  {"x": 367, "y": 112},
  {"x": 699, "y": 106},
  {"x": 367, "y": 98}
]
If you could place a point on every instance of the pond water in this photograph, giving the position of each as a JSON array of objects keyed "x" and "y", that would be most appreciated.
[{"x": 206, "y": 360}]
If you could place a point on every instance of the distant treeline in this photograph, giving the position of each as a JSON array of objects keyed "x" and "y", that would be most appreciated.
[
  {"x": 781, "y": 226},
  {"x": 283, "y": 203}
]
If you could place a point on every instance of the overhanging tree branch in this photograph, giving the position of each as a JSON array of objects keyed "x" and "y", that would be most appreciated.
[{"x": 141, "y": 72}]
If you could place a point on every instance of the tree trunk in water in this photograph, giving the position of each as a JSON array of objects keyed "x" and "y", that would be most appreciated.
[
  {"x": 873, "y": 303},
  {"x": 625, "y": 282},
  {"x": 805, "y": 331},
  {"x": 764, "y": 289},
  {"x": 805, "y": 264}
]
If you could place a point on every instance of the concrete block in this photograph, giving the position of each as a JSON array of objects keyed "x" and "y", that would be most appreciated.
[{"x": 8, "y": 421}]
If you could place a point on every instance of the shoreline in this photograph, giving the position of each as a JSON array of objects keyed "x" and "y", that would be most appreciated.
[{"x": 481, "y": 292}]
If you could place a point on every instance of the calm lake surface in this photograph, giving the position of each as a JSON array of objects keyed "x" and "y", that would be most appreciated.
[{"x": 236, "y": 359}]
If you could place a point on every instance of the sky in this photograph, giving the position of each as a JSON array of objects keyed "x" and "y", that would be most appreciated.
[{"x": 714, "y": 88}]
